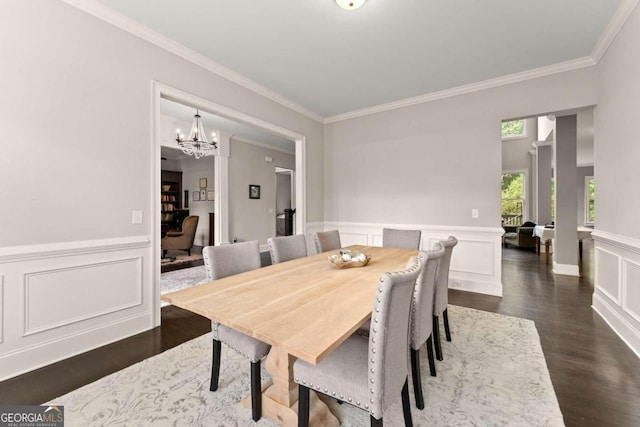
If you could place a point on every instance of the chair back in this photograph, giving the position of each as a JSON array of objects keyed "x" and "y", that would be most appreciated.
[
  {"x": 286, "y": 248},
  {"x": 227, "y": 260},
  {"x": 327, "y": 240},
  {"x": 401, "y": 239},
  {"x": 388, "y": 358},
  {"x": 442, "y": 280},
  {"x": 423, "y": 294}
]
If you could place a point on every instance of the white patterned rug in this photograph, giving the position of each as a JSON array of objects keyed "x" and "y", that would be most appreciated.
[
  {"x": 493, "y": 374},
  {"x": 180, "y": 279}
]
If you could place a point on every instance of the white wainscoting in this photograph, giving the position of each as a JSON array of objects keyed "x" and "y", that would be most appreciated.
[
  {"x": 58, "y": 300},
  {"x": 476, "y": 263},
  {"x": 616, "y": 296}
]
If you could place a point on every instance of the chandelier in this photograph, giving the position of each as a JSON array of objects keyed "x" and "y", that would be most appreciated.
[
  {"x": 197, "y": 144},
  {"x": 350, "y": 4}
]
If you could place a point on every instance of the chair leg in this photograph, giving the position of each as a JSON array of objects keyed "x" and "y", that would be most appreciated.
[
  {"x": 445, "y": 319},
  {"x": 375, "y": 422},
  {"x": 303, "y": 406},
  {"x": 436, "y": 337},
  {"x": 406, "y": 406},
  {"x": 417, "y": 381},
  {"x": 256, "y": 391},
  {"x": 432, "y": 362},
  {"x": 215, "y": 365}
]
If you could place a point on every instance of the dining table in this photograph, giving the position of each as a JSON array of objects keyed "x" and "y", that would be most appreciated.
[
  {"x": 303, "y": 308},
  {"x": 547, "y": 234}
]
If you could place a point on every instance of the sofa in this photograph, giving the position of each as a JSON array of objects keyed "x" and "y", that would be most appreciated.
[{"x": 520, "y": 236}]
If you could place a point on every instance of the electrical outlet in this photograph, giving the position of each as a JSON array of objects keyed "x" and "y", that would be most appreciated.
[
  {"x": 136, "y": 217},
  {"x": 454, "y": 284},
  {"x": 475, "y": 213}
]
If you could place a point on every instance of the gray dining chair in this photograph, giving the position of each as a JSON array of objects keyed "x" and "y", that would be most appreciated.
[
  {"x": 326, "y": 240},
  {"x": 286, "y": 248},
  {"x": 402, "y": 239},
  {"x": 441, "y": 298},
  {"x": 368, "y": 372},
  {"x": 223, "y": 261},
  {"x": 421, "y": 326}
]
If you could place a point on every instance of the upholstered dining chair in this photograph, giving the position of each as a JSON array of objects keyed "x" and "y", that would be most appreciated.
[
  {"x": 441, "y": 298},
  {"x": 223, "y": 261},
  {"x": 402, "y": 239},
  {"x": 181, "y": 240},
  {"x": 421, "y": 326},
  {"x": 370, "y": 373},
  {"x": 326, "y": 240},
  {"x": 286, "y": 248}
]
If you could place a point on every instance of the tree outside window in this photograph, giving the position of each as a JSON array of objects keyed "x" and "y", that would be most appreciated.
[
  {"x": 512, "y": 128},
  {"x": 590, "y": 198},
  {"x": 512, "y": 198}
]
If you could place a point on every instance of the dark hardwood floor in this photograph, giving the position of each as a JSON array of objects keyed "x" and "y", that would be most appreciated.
[{"x": 595, "y": 375}]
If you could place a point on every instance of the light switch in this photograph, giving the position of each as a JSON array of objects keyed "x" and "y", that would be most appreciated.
[
  {"x": 136, "y": 217},
  {"x": 475, "y": 213}
]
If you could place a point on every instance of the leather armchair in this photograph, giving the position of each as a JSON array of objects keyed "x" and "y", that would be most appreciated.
[
  {"x": 181, "y": 240},
  {"x": 522, "y": 237}
]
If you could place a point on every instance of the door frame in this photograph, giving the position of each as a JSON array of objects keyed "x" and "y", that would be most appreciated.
[{"x": 221, "y": 204}]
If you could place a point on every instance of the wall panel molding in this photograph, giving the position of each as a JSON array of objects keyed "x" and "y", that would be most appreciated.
[
  {"x": 476, "y": 263},
  {"x": 1, "y": 308},
  {"x": 616, "y": 296},
  {"x": 112, "y": 286},
  {"x": 30, "y": 252}
]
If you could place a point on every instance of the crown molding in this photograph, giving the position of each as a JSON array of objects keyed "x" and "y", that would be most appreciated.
[
  {"x": 262, "y": 144},
  {"x": 535, "y": 73},
  {"x": 613, "y": 28},
  {"x": 131, "y": 26}
]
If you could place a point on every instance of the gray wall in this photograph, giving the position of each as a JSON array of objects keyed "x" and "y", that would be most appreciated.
[
  {"x": 617, "y": 126},
  {"x": 251, "y": 219},
  {"x": 86, "y": 102},
  {"x": 432, "y": 163}
]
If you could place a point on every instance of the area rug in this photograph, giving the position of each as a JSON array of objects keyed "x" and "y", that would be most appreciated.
[
  {"x": 180, "y": 279},
  {"x": 179, "y": 258},
  {"x": 493, "y": 374}
]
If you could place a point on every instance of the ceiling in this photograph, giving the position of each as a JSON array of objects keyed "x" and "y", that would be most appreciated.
[{"x": 331, "y": 61}]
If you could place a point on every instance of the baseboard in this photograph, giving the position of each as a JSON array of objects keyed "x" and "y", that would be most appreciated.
[
  {"x": 566, "y": 269},
  {"x": 624, "y": 329},
  {"x": 44, "y": 353}
]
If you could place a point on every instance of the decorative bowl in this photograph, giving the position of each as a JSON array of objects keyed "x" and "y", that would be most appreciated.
[
  {"x": 166, "y": 188},
  {"x": 349, "y": 259}
]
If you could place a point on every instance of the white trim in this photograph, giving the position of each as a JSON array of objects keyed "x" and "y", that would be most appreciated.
[
  {"x": 131, "y": 26},
  {"x": 566, "y": 269},
  {"x": 1, "y": 308},
  {"x": 161, "y": 90},
  {"x": 261, "y": 144},
  {"x": 48, "y": 250},
  {"x": 624, "y": 285},
  {"x": 613, "y": 28},
  {"x": 535, "y": 73},
  {"x": 616, "y": 299},
  {"x": 625, "y": 330},
  {"x": 623, "y": 242}
]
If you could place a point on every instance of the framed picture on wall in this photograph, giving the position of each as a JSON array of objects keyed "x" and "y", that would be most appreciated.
[
  {"x": 196, "y": 196},
  {"x": 211, "y": 195},
  {"x": 203, "y": 182},
  {"x": 254, "y": 191},
  {"x": 203, "y": 195}
]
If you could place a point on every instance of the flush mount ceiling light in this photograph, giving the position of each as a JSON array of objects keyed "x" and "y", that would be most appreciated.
[
  {"x": 350, "y": 5},
  {"x": 197, "y": 144}
]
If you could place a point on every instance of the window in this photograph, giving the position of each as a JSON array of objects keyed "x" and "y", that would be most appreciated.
[
  {"x": 553, "y": 199},
  {"x": 513, "y": 129},
  {"x": 512, "y": 198},
  {"x": 589, "y": 198}
]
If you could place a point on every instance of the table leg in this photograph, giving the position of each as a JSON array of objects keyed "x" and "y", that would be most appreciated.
[
  {"x": 547, "y": 244},
  {"x": 280, "y": 399},
  {"x": 580, "y": 248},
  {"x": 537, "y": 245}
]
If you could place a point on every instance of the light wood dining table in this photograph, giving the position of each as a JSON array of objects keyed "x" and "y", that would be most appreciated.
[{"x": 303, "y": 308}]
